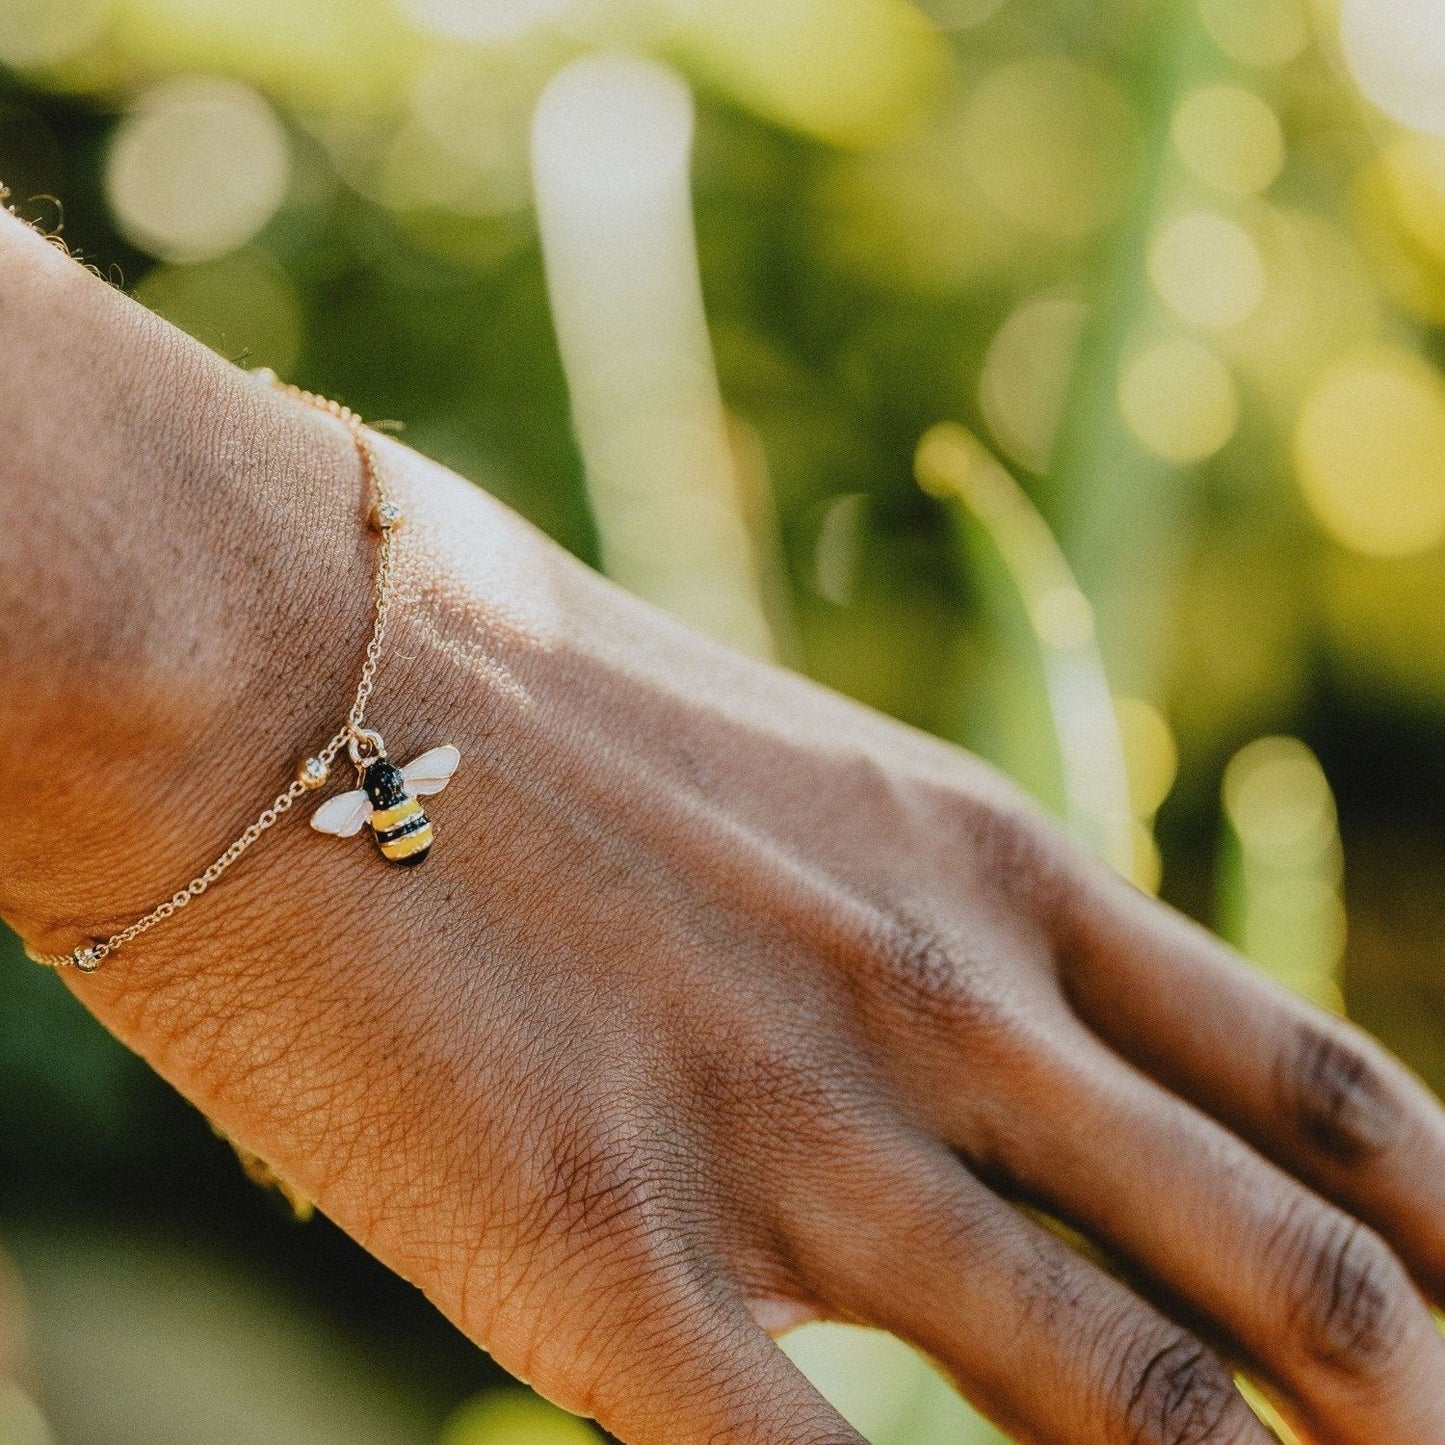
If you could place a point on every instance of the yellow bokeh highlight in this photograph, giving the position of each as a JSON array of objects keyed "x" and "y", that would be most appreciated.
[
  {"x": 1412, "y": 275},
  {"x": 1179, "y": 400},
  {"x": 1050, "y": 143},
  {"x": 853, "y": 72},
  {"x": 1370, "y": 452},
  {"x": 197, "y": 168},
  {"x": 1027, "y": 371},
  {"x": 1283, "y": 887},
  {"x": 1279, "y": 802},
  {"x": 1230, "y": 138},
  {"x": 1147, "y": 871},
  {"x": 1414, "y": 169},
  {"x": 515, "y": 1417},
  {"x": 475, "y": 108},
  {"x": 1151, "y": 755},
  {"x": 1261, "y": 33},
  {"x": 869, "y": 1377},
  {"x": 489, "y": 23},
  {"x": 1321, "y": 301},
  {"x": 35, "y": 33},
  {"x": 1207, "y": 270},
  {"x": 340, "y": 56}
]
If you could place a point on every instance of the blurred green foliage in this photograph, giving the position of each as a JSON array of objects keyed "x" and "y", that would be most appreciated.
[{"x": 1161, "y": 264}]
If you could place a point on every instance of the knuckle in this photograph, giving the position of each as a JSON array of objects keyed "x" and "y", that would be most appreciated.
[
  {"x": 929, "y": 976},
  {"x": 1176, "y": 1393},
  {"x": 1348, "y": 1296},
  {"x": 600, "y": 1182},
  {"x": 1338, "y": 1094},
  {"x": 1021, "y": 856}
]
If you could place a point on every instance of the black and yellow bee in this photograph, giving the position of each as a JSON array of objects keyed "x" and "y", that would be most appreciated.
[{"x": 387, "y": 799}]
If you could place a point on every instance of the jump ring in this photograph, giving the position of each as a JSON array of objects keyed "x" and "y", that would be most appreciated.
[{"x": 357, "y": 739}]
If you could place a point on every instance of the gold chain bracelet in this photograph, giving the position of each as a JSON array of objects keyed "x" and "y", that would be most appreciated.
[{"x": 386, "y": 797}]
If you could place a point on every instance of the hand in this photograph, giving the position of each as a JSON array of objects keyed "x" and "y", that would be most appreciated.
[{"x": 721, "y": 1003}]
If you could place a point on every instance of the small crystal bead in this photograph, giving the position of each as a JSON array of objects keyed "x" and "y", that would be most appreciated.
[
  {"x": 388, "y": 516},
  {"x": 312, "y": 773},
  {"x": 86, "y": 960}
]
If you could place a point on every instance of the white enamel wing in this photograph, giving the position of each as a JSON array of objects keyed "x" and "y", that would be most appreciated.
[
  {"x": 348, "y": 813},
  {"x": 432, "y": 771}
]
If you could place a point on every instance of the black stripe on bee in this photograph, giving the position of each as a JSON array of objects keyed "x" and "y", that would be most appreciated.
[{"x": 414, "y": 824}]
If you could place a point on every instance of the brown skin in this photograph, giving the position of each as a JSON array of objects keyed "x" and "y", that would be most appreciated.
[{"x": 721, "y": 1003}]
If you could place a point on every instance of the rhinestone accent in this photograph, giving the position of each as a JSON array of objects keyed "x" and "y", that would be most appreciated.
[
  {"x": 388, "y": 516},
  {"x": 312, "y": 773}
]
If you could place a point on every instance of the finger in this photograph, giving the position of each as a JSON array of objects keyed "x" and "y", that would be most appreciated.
[
  {"x": 1308, "y": 1090},
  {"x": 696, "y": 1369},
  {"x": 1315, "y": 1300},
  {"x": 1043, "y": 1342}
]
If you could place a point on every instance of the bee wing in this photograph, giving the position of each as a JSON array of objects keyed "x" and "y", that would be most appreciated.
[
  {"x": 344, "y": 815},
  {"x": 431, "y": 772}
]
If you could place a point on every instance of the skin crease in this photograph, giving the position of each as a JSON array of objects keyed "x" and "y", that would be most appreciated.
[{"x": 722, "y": 1002}]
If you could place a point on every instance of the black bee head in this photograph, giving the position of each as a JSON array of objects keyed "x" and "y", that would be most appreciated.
[{"x": 383, "y": 783}]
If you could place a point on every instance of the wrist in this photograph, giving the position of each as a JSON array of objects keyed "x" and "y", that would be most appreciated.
[{"x": 185, "y": 577}]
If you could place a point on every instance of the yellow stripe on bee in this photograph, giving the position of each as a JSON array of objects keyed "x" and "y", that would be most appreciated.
[
  {"x": 387, "y": 818},
  {"x": 412, "y": 843}
]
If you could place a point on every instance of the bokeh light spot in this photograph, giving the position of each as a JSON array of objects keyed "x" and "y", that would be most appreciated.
[
  {"x": 1148, "y": 870},
  {"x": 1279, "y": 801},
  {"x": 1395, "y": 49},
  {"x": 483, "y": 20},
  {"x": 1179, "y": 400},
  {"x": 45, "y": 32},
  {"x": 1207, "y": 269},
  {"x": 515, "y": 1417},
  {"x": 869, "y": 1377},
  {"x": 1150, "y": 754},
  {"x": 1050, "y": 143},
  {"x": 1414, "y": 168},
  {"x": 197, "y": 168},
  {"x": 847, "y": 71},
  {"x": 476, "y": 110},
  {"x": 1026, "y": 374},
  {"x": 1408, "y": 270},
  {"x": 1261, "y": 33},
  {"x": 1230, "y": 138},
  {"x": 1370, "y": 452}
]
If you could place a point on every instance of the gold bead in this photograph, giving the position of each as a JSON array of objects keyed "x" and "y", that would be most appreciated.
[{"x": 312, "y": 773}]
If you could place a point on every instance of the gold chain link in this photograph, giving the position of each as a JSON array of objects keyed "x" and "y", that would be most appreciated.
[{"x": 386, "y": 517}]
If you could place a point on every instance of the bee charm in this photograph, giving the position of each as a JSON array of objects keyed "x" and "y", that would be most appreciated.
[{"x": 387, "y": 799}]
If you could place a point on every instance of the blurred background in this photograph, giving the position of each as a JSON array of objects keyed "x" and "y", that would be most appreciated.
[{"x": 1061, "y": 377}]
